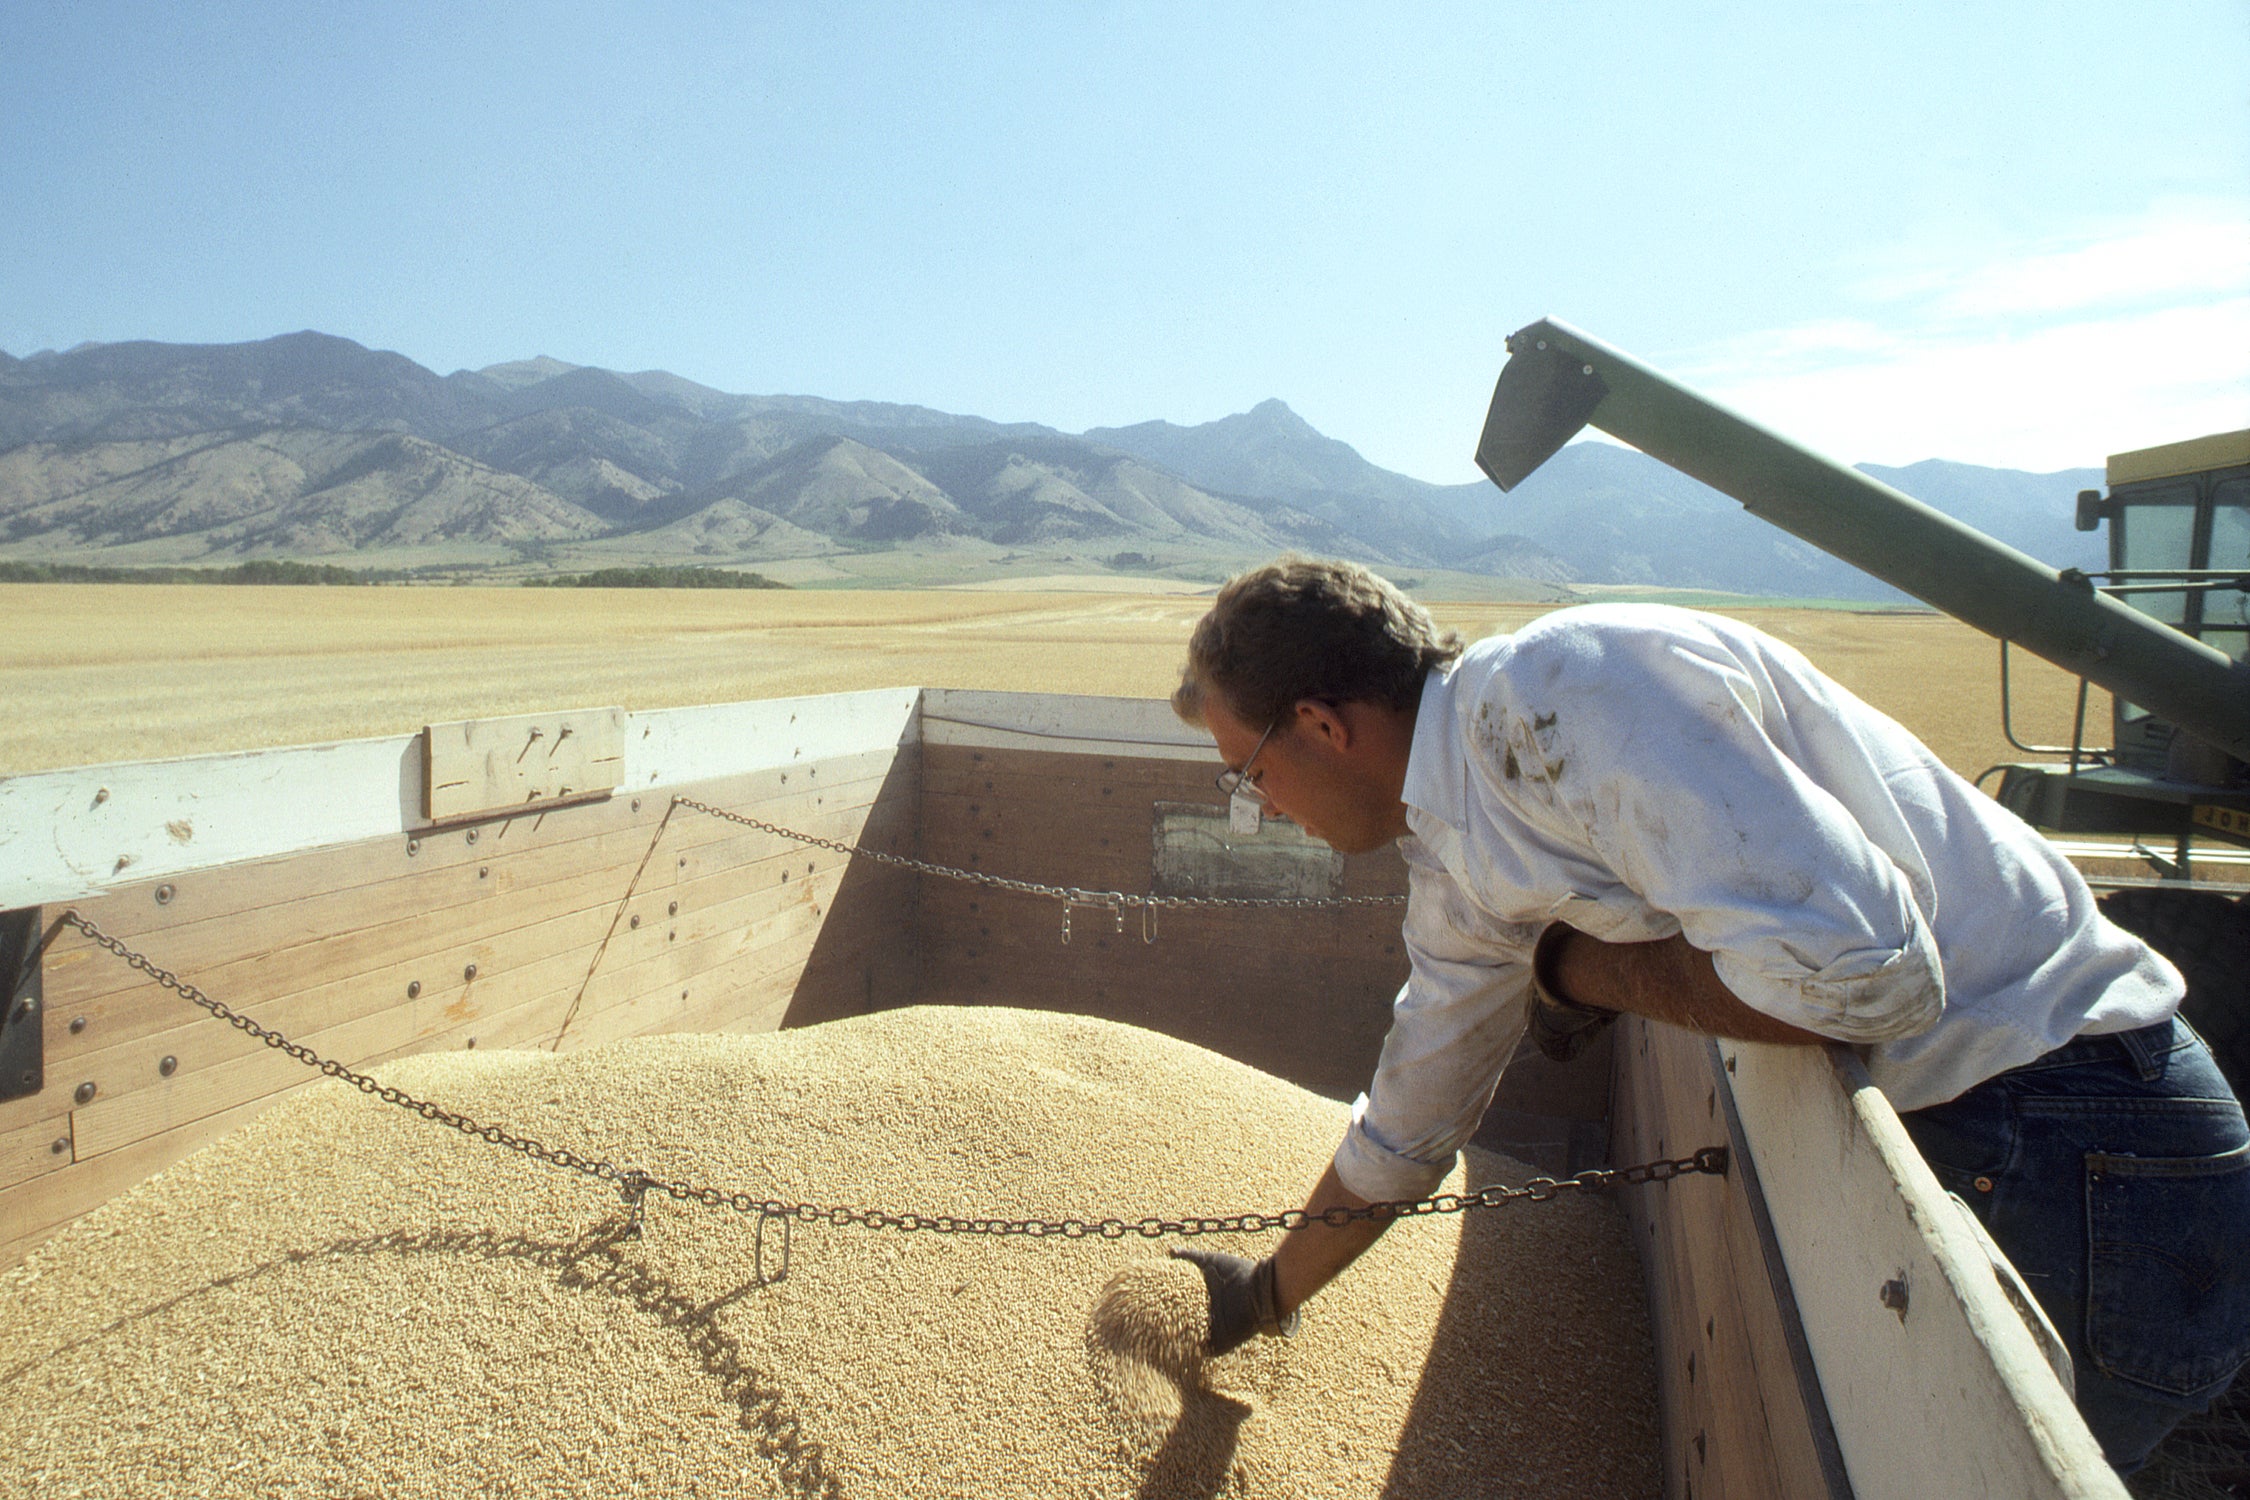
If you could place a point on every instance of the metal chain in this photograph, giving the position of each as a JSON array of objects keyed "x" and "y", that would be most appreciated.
[
  {"x": 635, "y": 1185},
  {"x": 1070, "y": 894}
]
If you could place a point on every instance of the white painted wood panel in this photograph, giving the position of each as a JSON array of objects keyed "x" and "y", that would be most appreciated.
[
  {"x": 71, "y": 834},
  {"x": 1142, "y": 728},
  {"x": 1952, "y": 1396}
]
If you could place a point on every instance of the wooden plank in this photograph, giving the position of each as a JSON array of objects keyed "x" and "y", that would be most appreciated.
[
  {"x": 68, "y": 835},
  {"x": 1855, "y": 1210},
  {"x": 295, "y": 998},
  {"x": 38, "y": 1208},
  {"x": 29, "y": 1150},
  {"x": 219, "y": 1066},
  {"x": 259, "y": 978},
  {"x": 1140, "y": 728},
  {"x": 1030, "y": 775},
  {"x": 264, "y": 984},
  {"x": 259, "y": 908},
  {"x": 1003, "y": 921},
  {"x": 474, "y": 768},
  {"x": 1742, "y": 1410}
]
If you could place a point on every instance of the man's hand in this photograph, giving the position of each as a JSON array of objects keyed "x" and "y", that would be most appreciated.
[{"x": 1243, "y": 1299}]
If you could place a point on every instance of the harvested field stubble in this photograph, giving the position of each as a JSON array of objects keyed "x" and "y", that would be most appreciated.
[
  {"x": 119, "y": 672},
  {"x": 343, "y": 1299}
]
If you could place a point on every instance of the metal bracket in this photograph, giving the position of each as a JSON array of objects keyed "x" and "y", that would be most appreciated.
[
  {"x": 1544, "y": 398},
  {"x": 23, "y": 1053}
]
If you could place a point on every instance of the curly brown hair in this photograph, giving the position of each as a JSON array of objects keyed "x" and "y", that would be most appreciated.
[{"x": 1305, "y": 627}]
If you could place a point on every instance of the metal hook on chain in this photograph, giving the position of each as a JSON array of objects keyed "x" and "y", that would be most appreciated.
[
  {"x": 1149, "y": 923},
  {"x": 633, "y": 1188},
  {"x": 758, "y": 1249}
]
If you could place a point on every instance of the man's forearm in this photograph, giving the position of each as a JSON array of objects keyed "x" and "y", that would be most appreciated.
[
  {"x": 1310, "y": 1257},
  {"x": 1670, "y": 980}
]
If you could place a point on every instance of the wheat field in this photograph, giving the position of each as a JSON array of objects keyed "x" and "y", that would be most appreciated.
[{"x": 100, "y": 673}]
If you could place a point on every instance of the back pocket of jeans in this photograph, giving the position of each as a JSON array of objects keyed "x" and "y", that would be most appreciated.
[{"x": 2167, "y": 1281}]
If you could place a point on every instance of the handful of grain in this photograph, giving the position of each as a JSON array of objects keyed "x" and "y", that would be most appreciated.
[{"x": 342, "y": 1299}]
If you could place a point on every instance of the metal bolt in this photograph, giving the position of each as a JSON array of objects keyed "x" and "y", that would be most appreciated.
[
  {"x": 483, "y": 871},
  {"x": 636, "y": 804},
  {"x": 470, "y": 972},
  {"x": 1893, "y": 1296},
  {"x": 674, "y": 910},
  {"x": 61, "y": 1145},
  {"x": 1984, "y": 1184},
  {"x": 85, "y": 1093},
  {"x": 77, "y": 1024},
  {"x": 413, "y": 989},
  {"x": 28, "y": 1009},
  {"x": 636, "y": 921},
  {"x": 164, "y": 894},
  {"x": 168, "y": 1067},
  {"x": 101, "y": 795},
  {"x": 414, "y": 846},
  {"x": 472, "y": 835},
  {"x": 472, "y": 1041}
]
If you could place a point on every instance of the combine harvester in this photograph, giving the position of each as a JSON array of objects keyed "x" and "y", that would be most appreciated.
[{"x": 1828, "y": 1321}]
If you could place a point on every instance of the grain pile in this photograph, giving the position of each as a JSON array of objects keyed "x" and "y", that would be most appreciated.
[{"x": 341, "y": 1299}]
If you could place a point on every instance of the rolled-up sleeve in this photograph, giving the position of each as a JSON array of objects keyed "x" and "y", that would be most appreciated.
[
  {"x": 1674, "y": 771},
  {"x": 1454, "y": 1026}
]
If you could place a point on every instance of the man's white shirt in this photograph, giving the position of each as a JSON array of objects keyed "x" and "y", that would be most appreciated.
[{"x": 1639, "y": 771}]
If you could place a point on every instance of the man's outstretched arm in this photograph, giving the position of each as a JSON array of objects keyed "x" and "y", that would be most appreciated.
[{"x": 1252, "y": 1297}]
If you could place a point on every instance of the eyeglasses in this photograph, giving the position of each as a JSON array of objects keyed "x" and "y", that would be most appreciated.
[{"x": 1237, "y": 783}]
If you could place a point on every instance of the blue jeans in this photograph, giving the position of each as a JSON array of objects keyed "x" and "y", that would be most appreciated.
[{"x": 2115, "y": 1173}]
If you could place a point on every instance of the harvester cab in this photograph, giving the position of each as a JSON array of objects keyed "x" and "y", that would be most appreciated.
[
  {"x": 2165, "y": 629},
  {"x": 2179, "y": 549}
]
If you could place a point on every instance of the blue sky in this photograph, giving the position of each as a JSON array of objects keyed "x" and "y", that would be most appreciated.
[{"x": 2014, "y": 234}]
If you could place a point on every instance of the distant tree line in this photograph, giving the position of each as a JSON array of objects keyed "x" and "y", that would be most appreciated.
[
  {"x": 656, "y": 578},
  {"x": 262, "y": 571}
]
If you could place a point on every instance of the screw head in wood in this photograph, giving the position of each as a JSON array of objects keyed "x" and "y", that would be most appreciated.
[
  {"x": 77, "y": 1024},
  {"x": 61, "y": 1145},
  {"x": 636, "y": 920},
  {"x": 168, "y": 1067},
  {"x": 84, "y": 1094},
  {"x": 470, "y": 972},
  {"x": 673, "y": 910},
  {"x": 164, "y": 895},
  {"x": 413, "y": 989},
  {"x": 472, "y": 835},
  {"x": 414, "y": 846}
]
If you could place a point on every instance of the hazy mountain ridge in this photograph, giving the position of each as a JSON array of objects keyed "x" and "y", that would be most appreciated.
[{"x": 310, "y": 445}]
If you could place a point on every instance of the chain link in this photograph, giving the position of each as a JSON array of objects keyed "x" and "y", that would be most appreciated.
[
  {"x": 634, "y": 1185},
  {"x": 1072, "y": 895}
]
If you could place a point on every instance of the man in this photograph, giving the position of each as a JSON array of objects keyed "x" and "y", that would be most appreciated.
[{"x": 1637, "y": 808}]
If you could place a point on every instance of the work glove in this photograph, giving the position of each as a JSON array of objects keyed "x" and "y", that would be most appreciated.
[
  {"x": 1243, "y": 1302},
  {"x": 1561, "y": 1028}
]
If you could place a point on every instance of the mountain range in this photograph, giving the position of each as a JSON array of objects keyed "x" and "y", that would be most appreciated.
[{"x": 314, "y": 447}]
